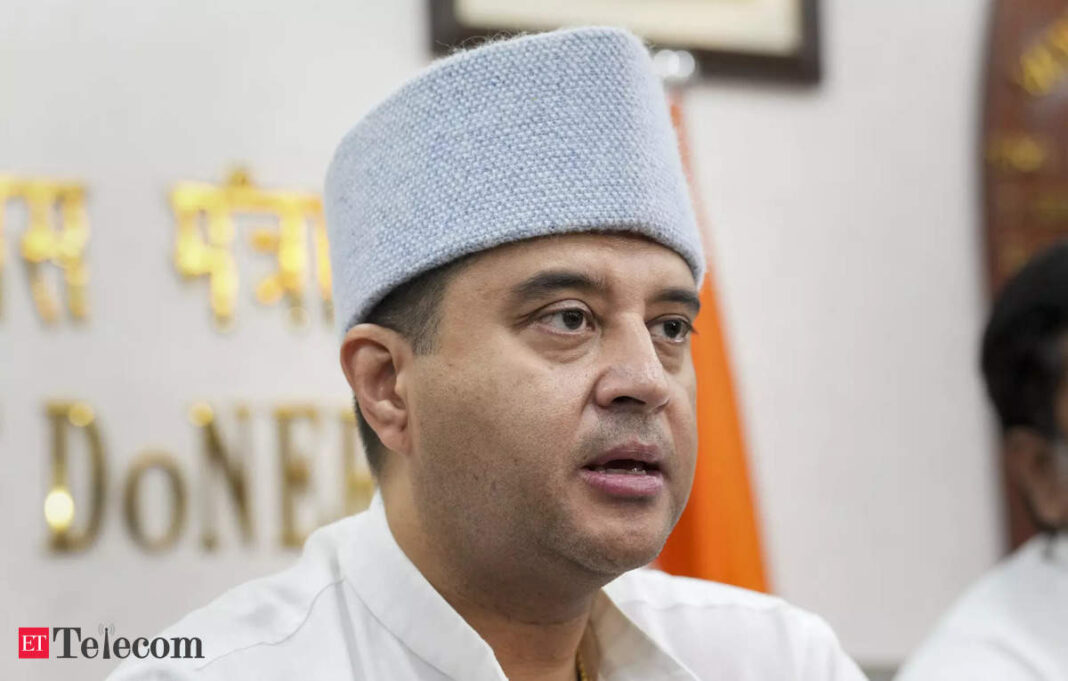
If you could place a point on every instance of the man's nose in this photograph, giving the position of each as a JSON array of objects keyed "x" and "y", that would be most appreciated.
[{"x": 633, "y": 376}]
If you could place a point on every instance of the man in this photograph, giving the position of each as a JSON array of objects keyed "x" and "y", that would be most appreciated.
[
  {"x": 1013, "y": 624},
  {"x": 516, "y": 269}
]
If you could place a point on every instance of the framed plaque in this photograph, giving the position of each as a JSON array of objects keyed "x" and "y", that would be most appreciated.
[
  {"x": 1024, "y": 152},
  {"x": 770, "y": 39}
]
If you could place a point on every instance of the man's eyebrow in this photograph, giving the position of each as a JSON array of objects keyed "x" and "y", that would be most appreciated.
[
  {"x": 680, "y": 295},
  {"x": 549, "y": 282}
]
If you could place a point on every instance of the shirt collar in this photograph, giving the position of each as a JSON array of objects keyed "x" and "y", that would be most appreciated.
[
  {"x": 407, "y": 604},
  {"x": 1053, "y": 549},
  {"x": 627, "y": 652}
]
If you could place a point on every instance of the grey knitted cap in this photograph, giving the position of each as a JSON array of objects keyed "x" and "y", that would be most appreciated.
[{"x": 553, "y": 133}]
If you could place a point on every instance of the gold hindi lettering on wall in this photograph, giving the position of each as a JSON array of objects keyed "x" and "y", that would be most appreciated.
[
  {"x": 57, "y": 233},
  {"x": 207, "y": 234}
]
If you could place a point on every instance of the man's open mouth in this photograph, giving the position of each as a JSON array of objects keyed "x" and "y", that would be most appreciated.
[{"x": 624, "y": 467}]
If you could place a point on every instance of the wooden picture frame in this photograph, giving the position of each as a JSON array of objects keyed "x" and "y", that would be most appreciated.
[{"x": 755, "y": 39}]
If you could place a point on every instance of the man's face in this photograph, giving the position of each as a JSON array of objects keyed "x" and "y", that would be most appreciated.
[
  {"x": 1038, "y": 463},
  {"x": 1047, "y": 485},
  {"x": 551, "y": 354}
]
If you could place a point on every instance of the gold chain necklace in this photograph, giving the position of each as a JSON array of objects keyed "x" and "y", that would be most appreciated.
[{"x": 580, "y": 669}]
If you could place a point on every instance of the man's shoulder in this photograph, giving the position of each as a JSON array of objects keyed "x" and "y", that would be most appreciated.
[
  {"x": 266, "y": 611},
  {"x": 1008, "y": 625}
]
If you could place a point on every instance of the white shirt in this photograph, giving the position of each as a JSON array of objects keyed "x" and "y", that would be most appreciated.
[
  {"x": 1012, "y": 625},
  {"x": 355, "y": 608}
]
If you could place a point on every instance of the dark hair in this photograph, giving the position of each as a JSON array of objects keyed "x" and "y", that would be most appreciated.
[
  {"x": 412, "y": 309},
  {"x": 1023, "y": 359}
]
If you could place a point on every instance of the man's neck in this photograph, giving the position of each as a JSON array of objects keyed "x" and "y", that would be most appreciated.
[
  {"x": 529, "y": 651},
  {"x": 535, "y": 635}
]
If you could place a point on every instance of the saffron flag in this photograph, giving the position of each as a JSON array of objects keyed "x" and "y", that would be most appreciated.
[{"x": 717, "y": 537}]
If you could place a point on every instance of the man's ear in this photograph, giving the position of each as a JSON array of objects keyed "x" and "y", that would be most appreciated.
[
  {"x": 1034, "y": 470},
  {"x": 375, "y": 361}
]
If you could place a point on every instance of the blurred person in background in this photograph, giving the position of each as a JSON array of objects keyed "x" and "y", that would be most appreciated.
[
  {"x": 1013, "y": 624},
  {"x": 516, "y": 266}
]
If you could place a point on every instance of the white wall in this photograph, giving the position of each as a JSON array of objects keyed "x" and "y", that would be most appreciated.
[
  {"x": 846, "y": 245},
  {"x": 847, "y": 242}
]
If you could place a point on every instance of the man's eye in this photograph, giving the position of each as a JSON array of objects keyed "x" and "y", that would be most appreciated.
[
  {"x": 571, "y": 319},
  {"x": 675, "y": 330}
]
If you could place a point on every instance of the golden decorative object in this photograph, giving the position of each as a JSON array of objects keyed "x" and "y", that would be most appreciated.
[
  {"x": 295, "y": 470},
  {"x": 359, "y": 483},
  {"x": 201, "y": 414},
  {"x": 1051, "y": 210},
  {"x": 80, "y": 415},
  {"x": 221, "y": 466},
  {"x": 42, "y": 244},
  {"x": 1020, "y": 153},
  {"x": 209, "y": 252},
  {"x": 74, "y": 510},
  {"x": 60, "y": 508},
  {"x": 168, "y": 466},
  {"x": 1045, "y": 63}
]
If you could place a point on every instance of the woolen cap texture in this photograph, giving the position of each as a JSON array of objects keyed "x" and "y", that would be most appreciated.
[{"x": 554, "y": 133}]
